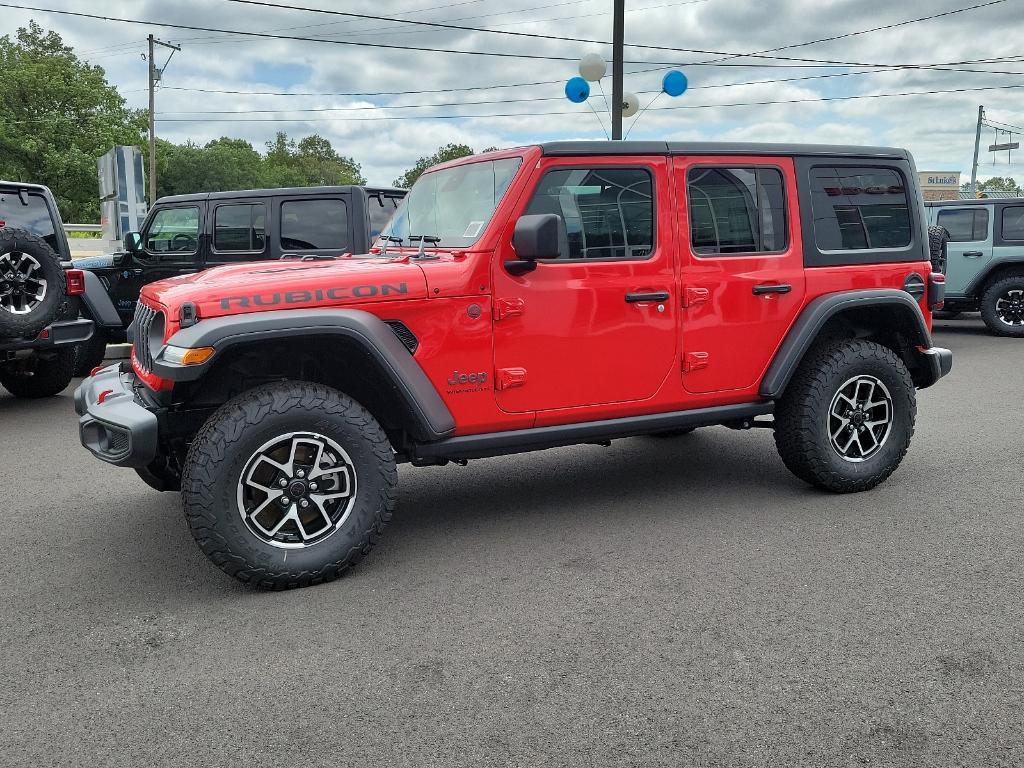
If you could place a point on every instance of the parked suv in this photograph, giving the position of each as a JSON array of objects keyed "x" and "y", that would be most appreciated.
[
  {"x": 564, "y": 293},
  {"x": 40, "y": 328},
  {"x": 984, "y": 260},
  {"x": 188, "y": 233}
]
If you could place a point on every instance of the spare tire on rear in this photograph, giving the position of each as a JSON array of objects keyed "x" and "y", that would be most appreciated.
[
  {"x": 938, "y": 237},
  {"x": 32, "y": 283}
]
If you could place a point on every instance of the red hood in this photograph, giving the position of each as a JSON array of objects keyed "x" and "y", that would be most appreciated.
[{"x": 268, "y": 285}]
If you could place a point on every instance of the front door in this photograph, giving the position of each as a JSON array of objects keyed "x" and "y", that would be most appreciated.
[
  {"x": 170, "y": 246},
  {"x": 743, "y": 276},
  {"x": 969, "y": 249},
  {"x": 597, "y": 325}
]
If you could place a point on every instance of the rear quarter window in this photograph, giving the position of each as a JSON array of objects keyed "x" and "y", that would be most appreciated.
[
  {"x": 859, "y": 208},
  {"x": 29, "y": 212},
  {"x": 1013, "y": 222},
  {"x": 314, "y": 225}
]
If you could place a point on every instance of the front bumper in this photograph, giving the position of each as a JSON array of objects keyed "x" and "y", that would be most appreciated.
[
  {"x": 938, "y": 361},
  {"x": 122, "y": 429}
]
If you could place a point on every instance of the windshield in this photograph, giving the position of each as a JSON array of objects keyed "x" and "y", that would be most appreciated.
[{"x": 454, "y": 204}]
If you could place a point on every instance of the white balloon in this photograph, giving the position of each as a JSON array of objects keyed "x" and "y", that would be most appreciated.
[
  {"x": 593, "y": 67},
  {"x": 630, "y": 104}
]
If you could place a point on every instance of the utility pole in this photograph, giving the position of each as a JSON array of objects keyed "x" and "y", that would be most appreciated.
[
  {"x": 977, "y": 146},
  {"x": 618, "y": 33},
  {"x": 154, "y": 77}
]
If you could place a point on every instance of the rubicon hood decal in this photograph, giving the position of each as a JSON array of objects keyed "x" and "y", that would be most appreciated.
[{"x": 276, "y": 285}]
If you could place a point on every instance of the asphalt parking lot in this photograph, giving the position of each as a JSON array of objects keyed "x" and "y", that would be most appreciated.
[{"x": 681, "y": 603}]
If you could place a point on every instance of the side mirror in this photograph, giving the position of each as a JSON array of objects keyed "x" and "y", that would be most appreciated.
[
  {"x": 133, "y": 242},
  {"x": 536, "y": 236}
]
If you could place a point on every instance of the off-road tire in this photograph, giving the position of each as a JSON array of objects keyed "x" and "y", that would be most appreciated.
[
  {"x": 230, "y": 438},
  {"x": 90, "y": 354},
  {"x": 802, "y": 423},
  {"x": 938, "y": 238},
  {"x": 43, "y": 375},
  {"x": 31, "y": 323},
  {"x": 990, "y": 314}
]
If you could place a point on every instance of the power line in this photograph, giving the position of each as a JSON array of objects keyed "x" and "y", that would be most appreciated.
[
  {"x": 586, "y": 41},
  {"x": 574, "y": 112},
  {"x": 267, "y": 35}
]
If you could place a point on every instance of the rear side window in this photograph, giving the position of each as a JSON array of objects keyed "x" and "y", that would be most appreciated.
[
  {"x": 313, "y": 225},
  {"x": 240, "y": 228},
  {"x": 608, "y": 212},
  {"x": 964, "y": 225},
  {"x": 31, "y": 214},
  {"x": 736, "y": 210},
  {"x": 1013, "y": 222},
  {"x": 859, "y": 208}
]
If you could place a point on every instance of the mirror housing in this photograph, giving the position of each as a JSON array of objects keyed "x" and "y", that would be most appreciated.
[
  {"x": 132, "y": 242},
  {"x": 536, "y": 236}
]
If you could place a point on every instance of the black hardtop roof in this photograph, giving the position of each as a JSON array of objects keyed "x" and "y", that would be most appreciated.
[
  {"x": 569, "y": 148},
  {"x": 281, "y": 191},
  {"x": 973, "y": 201}
]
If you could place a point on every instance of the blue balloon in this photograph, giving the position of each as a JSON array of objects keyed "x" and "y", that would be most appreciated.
[
  {"x": 577, "y": 90},
  {"x": 674, "y": 83}
]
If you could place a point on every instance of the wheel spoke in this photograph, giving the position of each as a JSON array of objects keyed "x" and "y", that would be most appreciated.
[
  {"x": 843, "y": 425},
  {"x": 271, "y": 497}
]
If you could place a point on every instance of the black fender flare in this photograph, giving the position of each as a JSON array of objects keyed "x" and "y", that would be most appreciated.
[
  {"x": 822, "y": 309},
  {"x": 98, "y": 304},
  {"x": 432, "y": 418}
]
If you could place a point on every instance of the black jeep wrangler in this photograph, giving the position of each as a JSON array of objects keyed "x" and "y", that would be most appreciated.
[
  {"x": 184, "y": 234},
  {"x": 41, "y": 298}
]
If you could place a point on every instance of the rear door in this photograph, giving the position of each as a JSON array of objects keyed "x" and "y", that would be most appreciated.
[
  {"x": 969, "y": 250},
  {"x": 742, "y": 273}
]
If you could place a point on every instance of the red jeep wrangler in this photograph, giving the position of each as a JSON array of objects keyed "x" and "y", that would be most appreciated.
[{"x": 529, "y": 298}]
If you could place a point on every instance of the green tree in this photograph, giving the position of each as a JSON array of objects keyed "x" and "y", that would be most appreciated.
[
  {"x": 58, "y": 115},
  {"x": 996, "y": 184},
  {"x": 443, "y": 155}
]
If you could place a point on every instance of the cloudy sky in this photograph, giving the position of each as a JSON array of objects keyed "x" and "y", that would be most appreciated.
[{"x": 939, "y": 128}]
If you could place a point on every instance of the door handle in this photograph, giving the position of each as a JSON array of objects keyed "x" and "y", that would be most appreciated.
[
  {"x": 633, "y": 298},
  {"x": 766, "y": 288},
  {"x": 973, "y": 254}
]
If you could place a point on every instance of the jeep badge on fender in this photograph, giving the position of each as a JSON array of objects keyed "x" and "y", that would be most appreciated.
[{"x": 645, "y": 290}]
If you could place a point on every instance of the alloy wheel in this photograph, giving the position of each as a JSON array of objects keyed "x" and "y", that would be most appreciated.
[
  {"x": 296, "y": 490},
  {"x": 1010, "y": 308},
  {"x": 860, "y": 418},
  {"x": 22, "y": 285}
]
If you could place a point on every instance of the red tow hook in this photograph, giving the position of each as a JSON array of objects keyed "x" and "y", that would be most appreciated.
[{"x": 103, "y": 396}]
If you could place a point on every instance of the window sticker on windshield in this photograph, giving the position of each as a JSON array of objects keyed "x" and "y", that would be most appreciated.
[{"x": 473, "y": 229}]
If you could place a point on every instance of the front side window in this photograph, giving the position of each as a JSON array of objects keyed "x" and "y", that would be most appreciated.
[
  {"x": 454, "y": 204},
  {"x": 859, "y": 208},
  {"x": 964, "y": 225},
  {"x": 1013, "y": 222},
  {"x": 314, "y": 225},
  {"x": 608, "y": 212},
  {"x": 736, "y": 210},
  {"x": 240, "y": 228},
  {"x": 174, "y": 231}
]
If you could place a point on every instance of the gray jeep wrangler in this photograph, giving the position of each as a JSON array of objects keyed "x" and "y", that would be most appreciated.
[{"x": 984, "y": 260}]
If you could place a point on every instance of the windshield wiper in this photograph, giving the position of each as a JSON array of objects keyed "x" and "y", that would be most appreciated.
[{"x": 432, "y": 239}]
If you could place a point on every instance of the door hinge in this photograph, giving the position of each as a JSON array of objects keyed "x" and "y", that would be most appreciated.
[
  {"x": 510, "y": 377},
  {"x": 694, "y": 296},
  {"x": 508, "y": 308},
  {"x": 694, "y": 361}
]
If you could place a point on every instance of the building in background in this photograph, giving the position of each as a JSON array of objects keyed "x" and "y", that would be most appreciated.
[{"x": 939, "y": 185}]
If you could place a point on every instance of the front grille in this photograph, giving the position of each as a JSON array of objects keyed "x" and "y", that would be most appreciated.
[
  {"x": 407, "y": 337},
  {"x": 141, "y": 326}
]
